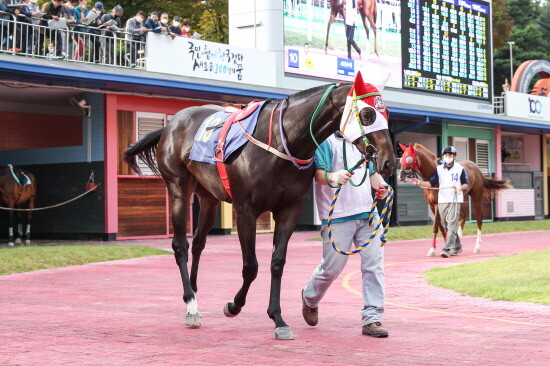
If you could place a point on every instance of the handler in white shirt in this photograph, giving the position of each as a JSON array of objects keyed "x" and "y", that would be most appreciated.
[{"x": 452, "y": 180}]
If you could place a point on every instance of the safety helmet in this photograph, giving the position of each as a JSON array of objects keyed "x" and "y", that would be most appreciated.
[{"x": 448, "y": 150}]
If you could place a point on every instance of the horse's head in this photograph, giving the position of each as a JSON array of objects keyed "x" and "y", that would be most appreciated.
[
  {"x": 365, "y": 123},
  {"x": 410, "y": 163}
]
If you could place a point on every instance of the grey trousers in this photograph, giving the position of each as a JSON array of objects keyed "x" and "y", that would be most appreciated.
[
  {"x": 332, "y": 264},
  {"x": 450, "y": 217}
]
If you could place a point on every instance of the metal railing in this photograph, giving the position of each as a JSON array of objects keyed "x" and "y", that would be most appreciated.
[
  {"x": 20, "y": 35},
  {"x": 498, "y": 105}
]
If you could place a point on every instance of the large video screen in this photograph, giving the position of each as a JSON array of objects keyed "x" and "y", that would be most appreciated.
[
  {"x": 316, "y": 39},
  {"x": 446, "y": 47},
  {"x": 437, "y": 46}
]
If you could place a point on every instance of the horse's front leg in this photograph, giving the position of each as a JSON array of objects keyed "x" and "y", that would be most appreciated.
[
  {"x": 435, "y": 229},
  {"x": 19, "y": 236},
  {"x": 246, "y": 226},
  {"x": 180, "y": 245},
  {"x": 10, "y": 226},
  {"x": 285, "y": 223}
]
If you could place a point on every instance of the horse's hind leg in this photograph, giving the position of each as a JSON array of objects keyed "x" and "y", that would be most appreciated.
[
  {"x": 330, "y": 21},
  {"x": 207, "y": 215},
  {"x": 479, "y": 218},
  {"x": 246, "y": 225},
  {"x": 29, "y": 216},
  {"x": 10, "y": 225},
  {"x": 180, "y": 190}
]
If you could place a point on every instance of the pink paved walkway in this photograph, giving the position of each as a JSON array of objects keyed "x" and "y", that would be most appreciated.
[{"x": 131, "y": 313}]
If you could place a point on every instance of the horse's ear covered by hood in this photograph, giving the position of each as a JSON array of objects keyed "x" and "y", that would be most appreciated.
[{"x": 360, "y": 96}]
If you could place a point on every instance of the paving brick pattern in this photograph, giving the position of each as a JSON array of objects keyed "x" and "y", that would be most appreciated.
[{"x": 130, "y": 312}]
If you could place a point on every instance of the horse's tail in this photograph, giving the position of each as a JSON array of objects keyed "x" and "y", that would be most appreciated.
[
  {"x": 492, "y": 185},
  {"x": 145, "y": 149}
]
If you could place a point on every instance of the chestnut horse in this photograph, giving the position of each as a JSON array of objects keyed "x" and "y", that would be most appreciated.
[
  {"x": 14, "y": 194},
  {"x": 260, "y": 181},
  {"x": 417, "y": 159},
  {"x": 367, "y": 10}
]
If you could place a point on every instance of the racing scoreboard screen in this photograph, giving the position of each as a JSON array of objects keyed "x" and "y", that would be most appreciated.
[{"x": 446, "y": 47}]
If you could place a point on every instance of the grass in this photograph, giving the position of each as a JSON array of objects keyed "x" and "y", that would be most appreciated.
[
  {"x": 425, "y": 232},
  {"x": 35, "y": 258},
  {"x": 520, "y": 277}
]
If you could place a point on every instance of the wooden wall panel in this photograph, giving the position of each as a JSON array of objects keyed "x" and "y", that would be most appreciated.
[
  {"x": 141, "y": 207},
  {"x": 31, "y": 131},
  {"x": 125, "y": 123}
]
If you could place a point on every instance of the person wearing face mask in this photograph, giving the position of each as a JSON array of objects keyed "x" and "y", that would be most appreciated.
[
  {"x": 175, "y": 27},
  {"x": 152, "y": 23},
  {"x": 452, "y": 180},
  {"x": 93, "y": 28},
  {"x": 51, "y": 10},
  {"x": 67, "y": 12},
  {"x": 164, "y": 28},
  {"x": 34, "y": 10},
  {"x": 112, "y": 23},
  {"x": 186, "y": 29},
  {"x": 135, "y": 31}
]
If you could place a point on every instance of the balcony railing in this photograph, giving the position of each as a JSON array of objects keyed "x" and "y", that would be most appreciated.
[{"x": 78, "y": 43}]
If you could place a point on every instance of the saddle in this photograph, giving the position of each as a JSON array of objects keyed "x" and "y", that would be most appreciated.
[
  {"x": 236, "y": 116},
  {"x": 21, "y": 178}
]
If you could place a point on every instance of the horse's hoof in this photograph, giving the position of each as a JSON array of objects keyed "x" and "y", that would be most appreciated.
[
  {"x": 226, "y": 311},
  {"x": 193, "y": 320},
  {"x": 18, "y": 241},
  {"x": 431, "y": 252},
  {"x": 477, "y": 250},
  {"x": 27, "y": 242},
  {"x": 10, "y": 244},
  {"x": 283, "y": 333}
]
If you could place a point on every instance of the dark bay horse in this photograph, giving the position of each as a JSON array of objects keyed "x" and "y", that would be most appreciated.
[
  {"x": 260, "y": 181},
  {"x": 367, "y": 11},
  {"x": 14, "y": 195},
  {"x": 418, "y": 160}
]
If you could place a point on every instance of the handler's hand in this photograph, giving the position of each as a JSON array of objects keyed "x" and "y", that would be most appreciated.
[
  {"x": 415, "y": 181},
  {"x": 458, "y": 188},
  {"x": 382, "y": 191},
  {"x": 340, "y": 177}
]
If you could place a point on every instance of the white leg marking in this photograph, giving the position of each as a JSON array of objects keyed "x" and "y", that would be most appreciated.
[
  {"x": 477, "y": 248},
  {"x": 459, "y": 232},
  {"x": 192, "y": 307}
]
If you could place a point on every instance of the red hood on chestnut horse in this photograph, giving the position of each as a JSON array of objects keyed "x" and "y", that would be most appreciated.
[{"x": 418, "y": 160}]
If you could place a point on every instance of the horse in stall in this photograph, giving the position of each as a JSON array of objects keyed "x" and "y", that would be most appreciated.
[
  {"x": 367, "y": 10},
  {"x": 17, "y": 187},
  {"x": 418, "y": 160},
  {"x": 261, "y": 181}
]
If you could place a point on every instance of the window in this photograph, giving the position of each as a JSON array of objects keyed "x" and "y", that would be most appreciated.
[
  {"x": 482, "y": 156},
  {"x": 146, "y": 123},
  {"x": 461, "y": 145}
]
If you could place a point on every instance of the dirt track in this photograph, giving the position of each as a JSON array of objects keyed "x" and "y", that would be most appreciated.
[{"x": 130, "y": 312}]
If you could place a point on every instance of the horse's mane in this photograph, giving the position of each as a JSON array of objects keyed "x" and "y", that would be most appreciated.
[
  {"x": 309, "y": 92},
  {"x": 431, "y": 156}
]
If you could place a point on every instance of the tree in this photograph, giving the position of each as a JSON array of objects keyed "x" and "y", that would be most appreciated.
[{"x": 527, "y": 34}]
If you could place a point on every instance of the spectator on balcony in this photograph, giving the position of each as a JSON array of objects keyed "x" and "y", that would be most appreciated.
[
  {"x": 24, "y": 28},
  {"x": 80, "y": 36},
  {"x": 94, "y": 31},
  {"x": 175, "y": 27},
  {"x": 543, "y": 92},
  {"x": 34, "y": 34},
  {"x": 135, "y": 35},
  {"x": 67, "y": 12},
  {"x": 165, "y": 28},
  {"x": 186, "y": 29},
  {"x": 52, "y": 10},
  {"x": 110, "y": 36},
  {"x": 152, "y": 23},
  {"x": 8, "y": 14}
]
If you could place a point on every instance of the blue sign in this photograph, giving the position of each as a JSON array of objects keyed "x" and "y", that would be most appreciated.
[
  {"x": 346, "y": 67},
  {"x": 293, "y": 58}
]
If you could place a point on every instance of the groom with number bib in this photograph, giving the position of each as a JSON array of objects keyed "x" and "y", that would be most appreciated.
[
  {"x": 452, "y": 180},
  {"x": 350, "y": 222}
]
